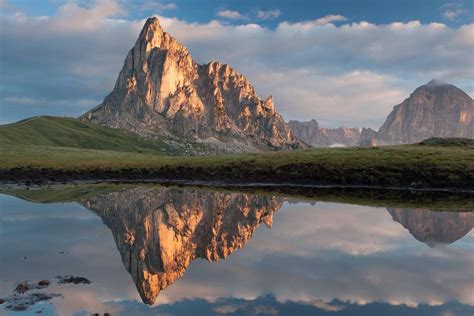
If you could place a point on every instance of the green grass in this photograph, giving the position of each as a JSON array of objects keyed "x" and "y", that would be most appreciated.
[
  {"x": 69, "y": 132},
  {"x": 60, "y": 149},
  {"x": 450, "y": 141},
  {"x": 410, "y": 165}
]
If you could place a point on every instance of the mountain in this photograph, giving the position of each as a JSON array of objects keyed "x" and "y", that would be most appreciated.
[
  {"x": 310, "y": 133},
  {"x": 434, "y": 227},
  {"x": 435, "y": 109},
  {"x": 343, "y": 135},
  {"x": 72, "y": 133},
  {"x": 159, "y": 231},
  {"x": 368, "y": 137},
  {"x": 161, "y": 90}
]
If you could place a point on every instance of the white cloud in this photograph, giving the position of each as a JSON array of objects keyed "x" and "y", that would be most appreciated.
[
  {"x": 6, "y": 5},
  {"x": 347, "y": 74},
  {"x": 451, "y": 15},
  {"x": 71, "y": 16},
  {"x": 229, "y": 14},
  {"x": 267, "y": 15},
  {"x": 330, "y": 19},
  {"x": 453, "y": 11}
]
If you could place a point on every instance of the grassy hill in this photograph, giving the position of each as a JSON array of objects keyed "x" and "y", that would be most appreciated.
[{"x": 69, "y": 132}]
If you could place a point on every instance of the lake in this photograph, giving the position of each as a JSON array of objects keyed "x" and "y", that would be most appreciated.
[{"x": 156, "y": 250}]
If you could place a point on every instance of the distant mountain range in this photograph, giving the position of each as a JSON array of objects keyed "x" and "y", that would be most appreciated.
[
  {"x": 313, "y": 135},
  {"x": 436, "y": 109},
  {"x": 162, "y": 91}
]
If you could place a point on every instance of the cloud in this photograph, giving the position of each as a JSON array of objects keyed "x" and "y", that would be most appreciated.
[
  {"x": 453, "y": 11},
  {"x": 71, "y": 16},
  {"x": 329, "y": 19},
  {"x": 267, "y": 15},
  {"x": 229, "y": 14},
  {"x": 344, "y": 74},
  {"x": 153, "y": 5},
  {"x": 6, "y": 5},
  {"x": 452, "y": 14}
]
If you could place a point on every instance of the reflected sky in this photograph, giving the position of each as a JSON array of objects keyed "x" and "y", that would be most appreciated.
[{"x": 318, "y": 258}]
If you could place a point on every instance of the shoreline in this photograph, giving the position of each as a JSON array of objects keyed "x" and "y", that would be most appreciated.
[
  {"x": 198, "y": 177},
  {"x": 222, "y": 184},
  {"x": 439, "y": 200}
]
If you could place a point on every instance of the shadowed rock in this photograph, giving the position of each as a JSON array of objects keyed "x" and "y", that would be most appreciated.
[{"x": 436, "y": 109}]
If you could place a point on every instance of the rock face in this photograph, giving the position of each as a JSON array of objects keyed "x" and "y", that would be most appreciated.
[
  {"x": 434, "y": 227},
  {"x": 433, "y": 110},
  {"x": 368, "y": 137},
  {"x": 312, "y": 134},
  {"x": 159, "y": 231},
  {"x": 162, "y": 90}
]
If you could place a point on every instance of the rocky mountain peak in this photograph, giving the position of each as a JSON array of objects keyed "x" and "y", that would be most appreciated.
[
  {"x": 436, "y": 83},
  {"x": 316, "y": 136},
  {"x": 436, "y": 109},
  {"x": 161, "y": 90},
  {"x": 152, "y": 31}
]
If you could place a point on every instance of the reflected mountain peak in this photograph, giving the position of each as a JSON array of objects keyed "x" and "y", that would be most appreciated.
[
  {"x": 159, "y": 231},
  {"x": 434, "y": 227}
]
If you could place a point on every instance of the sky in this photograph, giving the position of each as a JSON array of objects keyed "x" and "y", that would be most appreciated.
[{"x": 341, "y": 62}]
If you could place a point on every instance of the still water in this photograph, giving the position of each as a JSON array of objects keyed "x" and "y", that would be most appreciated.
[{"x": 155, "y": 250}]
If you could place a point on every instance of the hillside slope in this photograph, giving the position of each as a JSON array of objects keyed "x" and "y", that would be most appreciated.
[{"x": 69, "y": 132}]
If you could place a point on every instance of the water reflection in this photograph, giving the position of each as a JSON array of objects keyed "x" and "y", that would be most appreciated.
[
  {"x": 434, "y": 227},
  {"x": 318, "y": 258},
  {"x": 159, "y": 231}
]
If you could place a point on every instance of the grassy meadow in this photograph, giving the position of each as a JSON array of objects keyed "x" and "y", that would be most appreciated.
[{"x": 50, "y": 151}]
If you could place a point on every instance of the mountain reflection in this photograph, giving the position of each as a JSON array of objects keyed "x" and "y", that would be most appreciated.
[
  {"x": 434, "y": 227},
  {"x": 159, "y": 231}
]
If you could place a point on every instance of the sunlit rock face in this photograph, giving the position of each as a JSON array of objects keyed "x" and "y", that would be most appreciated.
[
  {"x": 161, "y": 90},
  {"x": 310, "y": 133},
  {"x": 436, "y": 109},
  {"x": 159, "y": 231},
  {"x": 434, "y": 227}
]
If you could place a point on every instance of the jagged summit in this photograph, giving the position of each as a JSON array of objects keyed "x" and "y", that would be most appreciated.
[{"x": 161, "y": 90}]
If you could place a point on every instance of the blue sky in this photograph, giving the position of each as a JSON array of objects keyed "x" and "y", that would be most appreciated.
[{"x": 342, "y": 62}]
